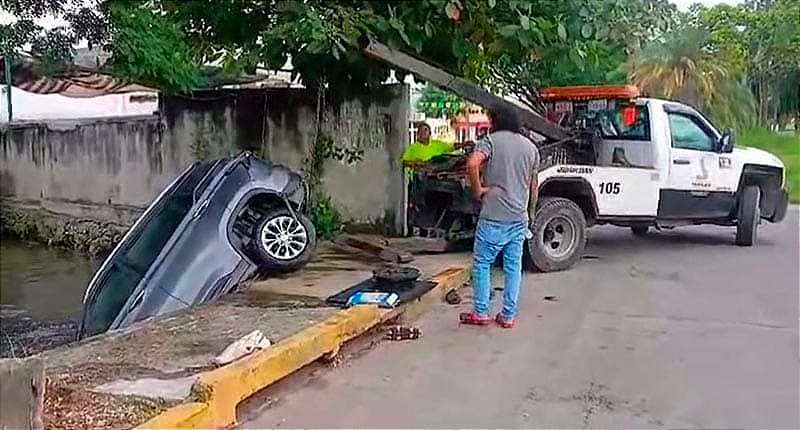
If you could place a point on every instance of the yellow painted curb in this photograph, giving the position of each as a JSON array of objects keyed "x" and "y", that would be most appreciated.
[{"x": 217, "y": 393}]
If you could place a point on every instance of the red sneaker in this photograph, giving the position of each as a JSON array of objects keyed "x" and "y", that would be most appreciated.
[
  {"x": 502, "y": 322},
  {"x": 471, "y": 318}
]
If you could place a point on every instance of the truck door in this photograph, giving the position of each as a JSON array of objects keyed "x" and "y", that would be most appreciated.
[{"x": 693, "y": 189}]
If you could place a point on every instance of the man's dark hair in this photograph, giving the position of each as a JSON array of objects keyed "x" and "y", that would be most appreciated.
[{"x": 504, "y": 118}]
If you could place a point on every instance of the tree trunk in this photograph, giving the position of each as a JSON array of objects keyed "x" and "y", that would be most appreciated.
[{"x": 689, "y": 94}]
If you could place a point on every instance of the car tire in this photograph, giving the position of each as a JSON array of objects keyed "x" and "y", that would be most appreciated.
[
  {"x": 748, "y": 216},
  {"x": 559, "y": 235},
  {"x": 282, "y": 242},
  {"x": 640, "y": 230},
  {"x": 395, "y": 275}
]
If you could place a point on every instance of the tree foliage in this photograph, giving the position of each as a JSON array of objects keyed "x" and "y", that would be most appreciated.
[
  {"x": 25, "y": 36},
  {"x": 509, "y": 45},
  {"x": 437, "y": 103},
  {"x": 681, "y": 67},
  {"x": 739, "y": 63},
  {"x": 761, "y": 39}
]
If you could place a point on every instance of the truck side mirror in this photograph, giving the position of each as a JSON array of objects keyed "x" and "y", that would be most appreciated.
[{"x": 727, "y": 141}]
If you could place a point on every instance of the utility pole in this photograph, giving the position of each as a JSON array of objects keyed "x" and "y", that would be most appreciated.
[{"x": 7, "y": 59}]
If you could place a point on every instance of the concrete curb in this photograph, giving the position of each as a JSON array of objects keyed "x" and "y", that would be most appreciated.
[{"x": 217, "y": 393}]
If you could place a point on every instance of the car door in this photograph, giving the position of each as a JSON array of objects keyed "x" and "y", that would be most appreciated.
[{"x": 691, "y": 191}]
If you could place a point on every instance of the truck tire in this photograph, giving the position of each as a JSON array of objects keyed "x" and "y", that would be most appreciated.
[
  {"x": 559, "y": 234},
  {"x": 748, "y": 216},
  {"x": 640, "y": 230},
  {"x": 282, "y": 242}
]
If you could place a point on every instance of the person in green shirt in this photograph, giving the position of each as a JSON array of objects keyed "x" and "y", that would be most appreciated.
[{"x": 424, "y": 149}]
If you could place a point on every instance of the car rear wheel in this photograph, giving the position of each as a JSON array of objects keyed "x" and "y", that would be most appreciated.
[
  {"x": 559, "y": 235},
  {"x": 640, "y": 230},
  {"x": 284, "y": 242},
  {"x": 748, "y": 216}
]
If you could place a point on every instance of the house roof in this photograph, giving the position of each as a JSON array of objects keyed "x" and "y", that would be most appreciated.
[
  {"x": 84, "y": 78},
  {"x": 78, "y": 81}
]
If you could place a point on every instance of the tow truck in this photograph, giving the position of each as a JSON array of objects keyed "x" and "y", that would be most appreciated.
[{"x": 609, "y": 155}]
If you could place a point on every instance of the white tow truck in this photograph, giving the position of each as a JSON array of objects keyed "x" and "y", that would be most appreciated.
[
  {"x": 609, "y": 156},
  {"x": 654, "y": 164}
]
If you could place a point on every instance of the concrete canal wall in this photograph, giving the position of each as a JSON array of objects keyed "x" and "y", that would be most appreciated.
[
  {"x": 109, "y": 169},
  {"x": 22, "y": 393}
]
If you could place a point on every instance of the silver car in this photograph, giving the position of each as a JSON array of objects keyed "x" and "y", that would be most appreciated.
[{"x": 217, "y": 224}]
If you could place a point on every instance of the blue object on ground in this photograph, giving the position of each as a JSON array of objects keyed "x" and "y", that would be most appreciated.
[{"x": 384, "y": 300}]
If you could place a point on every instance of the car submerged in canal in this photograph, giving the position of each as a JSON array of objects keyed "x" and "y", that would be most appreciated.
[{"x": 216, "y": 225}]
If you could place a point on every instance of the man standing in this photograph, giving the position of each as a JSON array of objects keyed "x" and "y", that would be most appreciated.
[{"x": 509, "y": 162}]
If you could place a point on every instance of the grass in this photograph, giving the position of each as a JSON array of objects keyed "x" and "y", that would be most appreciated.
[{"x": 785, "y": 146}]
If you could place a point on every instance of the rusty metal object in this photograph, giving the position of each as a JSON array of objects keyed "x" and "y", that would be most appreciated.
[
  {"x": 403, "y": 333},
  {"x": 452, "y": 297}
]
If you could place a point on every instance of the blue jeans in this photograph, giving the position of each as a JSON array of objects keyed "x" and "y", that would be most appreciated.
[{"x": 492, "y": 237}]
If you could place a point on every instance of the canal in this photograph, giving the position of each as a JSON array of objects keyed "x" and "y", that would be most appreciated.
[{"x": 40, "y": 296}]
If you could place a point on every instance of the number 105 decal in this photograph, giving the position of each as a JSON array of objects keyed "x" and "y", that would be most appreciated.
[{"x": 609, "y": 188}]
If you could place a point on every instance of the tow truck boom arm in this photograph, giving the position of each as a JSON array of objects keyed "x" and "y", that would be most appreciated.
[{"x": 464, "y": 88}]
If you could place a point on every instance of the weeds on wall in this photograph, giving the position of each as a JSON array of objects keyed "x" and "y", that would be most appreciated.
[
  {"x": 326, "y": 218},
  {"x": 85, "y": 236},
  {"x": 201, "y": 146}
]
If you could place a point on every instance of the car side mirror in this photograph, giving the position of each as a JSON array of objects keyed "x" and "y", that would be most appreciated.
[{"x": 727, "y": 141}]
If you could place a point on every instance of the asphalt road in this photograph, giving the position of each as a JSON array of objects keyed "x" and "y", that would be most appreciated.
[{"x": 679, "y": 329}]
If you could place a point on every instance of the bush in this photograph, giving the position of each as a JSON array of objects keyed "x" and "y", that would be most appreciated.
[
  {"x": 785, "y": 146},
  {"x": 326, "y": 218}
]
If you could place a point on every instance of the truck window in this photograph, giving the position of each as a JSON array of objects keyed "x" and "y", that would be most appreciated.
[
  {"x": 613, "y": 126},
  {"x": 688, "y": 133}
]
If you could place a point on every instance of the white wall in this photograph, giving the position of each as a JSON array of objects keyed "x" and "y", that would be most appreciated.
[{"x": 30, "y": 106}]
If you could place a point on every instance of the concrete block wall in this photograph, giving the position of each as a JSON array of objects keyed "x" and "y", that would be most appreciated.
[{"x": 109, "y": 169}]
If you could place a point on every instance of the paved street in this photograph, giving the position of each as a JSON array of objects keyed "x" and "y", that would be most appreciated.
[{"x": 680, "y": 329}]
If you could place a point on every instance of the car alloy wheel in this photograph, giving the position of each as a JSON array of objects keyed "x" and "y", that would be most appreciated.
[{"x": 284, "y": 238}]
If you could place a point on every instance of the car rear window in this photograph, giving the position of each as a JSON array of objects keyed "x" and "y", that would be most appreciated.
[{"x": 127, "y": 267}]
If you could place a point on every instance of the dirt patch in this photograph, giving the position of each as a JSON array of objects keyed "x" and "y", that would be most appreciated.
[
  {"x": 177, "y": 345},
  {"x": 70, "y": 408},
  {"x": 21, "y": 335},
  {"x": 268, "y": 299}
]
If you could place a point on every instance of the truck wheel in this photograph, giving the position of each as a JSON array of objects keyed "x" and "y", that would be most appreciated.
[
  {"x": 748, "y": 216},
  {"x": 284, "y": 243},
  {"x": 640, "y": 230},
  {"x": 559, "y": 234}
]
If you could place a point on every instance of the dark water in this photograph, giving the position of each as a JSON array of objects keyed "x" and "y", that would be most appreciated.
[
  {"x": 40, "y": 296},
  {"x": 49, "y": 284}
]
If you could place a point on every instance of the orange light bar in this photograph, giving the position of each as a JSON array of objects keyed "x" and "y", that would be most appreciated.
[{"x": 589, "y": 92}]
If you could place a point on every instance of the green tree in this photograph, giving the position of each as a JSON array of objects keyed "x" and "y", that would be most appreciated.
[
  {"x": 760, "y": 39},
  {"x": 484, "y": 40},
  {"x": 146, "y": 46},
  {"x": 437, "y": 103},
  {"x": 681, "y": 67},
  {"x": 559, "y": 43}
]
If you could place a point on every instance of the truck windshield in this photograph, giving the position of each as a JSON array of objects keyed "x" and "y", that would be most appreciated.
[{"x": 127, "y": 267}]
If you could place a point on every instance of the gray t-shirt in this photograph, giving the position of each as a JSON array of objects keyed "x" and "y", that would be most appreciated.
[{"x": 512, "y": 160}]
